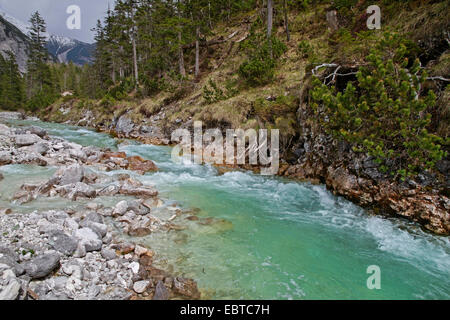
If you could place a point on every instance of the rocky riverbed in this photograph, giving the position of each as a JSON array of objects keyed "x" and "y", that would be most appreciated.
[{"x": 92, "y": 252}]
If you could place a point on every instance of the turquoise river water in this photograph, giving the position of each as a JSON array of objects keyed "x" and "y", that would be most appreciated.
[{"x": 281, "y": 239}]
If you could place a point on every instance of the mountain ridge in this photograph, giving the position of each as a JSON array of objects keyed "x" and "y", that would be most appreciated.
[{"x": 63, "y": 49}]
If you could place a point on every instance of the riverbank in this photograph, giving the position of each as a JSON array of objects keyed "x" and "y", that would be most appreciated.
[
  {"x": 318, "y": 158},
  {"x": 92, "y": 251}
]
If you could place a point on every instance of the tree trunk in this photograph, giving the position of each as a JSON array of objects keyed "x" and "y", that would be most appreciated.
[
  {"x": 136, "y": 74},
  {"x": 269, "y": 18},
  {"x": 197, "y": 52},
  {"x": 270, "y": 24},
  {"x": 181, "y": 55},
  {"x": 286, "y": 21},
  {"x": 180, "y": 44}
]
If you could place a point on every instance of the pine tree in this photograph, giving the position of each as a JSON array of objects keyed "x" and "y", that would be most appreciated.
[
  {"x": 41, "y": 90},
  {"x": 12, "y": 94},
  {"x": 38, "y": 53}
]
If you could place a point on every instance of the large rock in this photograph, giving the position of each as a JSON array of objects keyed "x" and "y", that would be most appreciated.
[
  {"x": 37, "y": 131},
  {"x": 138, "y": 208},
  {"x": 11, "y": 286},
  {"x": 11, "y": 115},
  {"x": 139, "y": 228},
  {"x": 124, "y": 125},
  {"x": 143, "y": 192},
  {"x": 38, "y": 148},
  {"x": 121, "y": 208},
  {"x": 5, "y": 157},
  {"x": 77, "y": 190},
  {"x": 42, "y": 266},
  {"x": 99, "y": 228},
  {"x": 89, "y": 239},
  {"x": 70, "y": 175},
  {"x": 141, "y": 165},
  {"x": 186, "y": 287},
  {"x": 108, "y": 254},
  {"x": 4, "y": 130},
  {"x": 23, "y": 140},
  {"x": 12, "y": 263},
  {"x": 78, "y": 154},
  {"x": 31, "y": 157},
  {"x": 62, "y": 242}
]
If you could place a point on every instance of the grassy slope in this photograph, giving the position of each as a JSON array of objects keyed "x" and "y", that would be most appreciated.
[{"x": 249, "y": 107}]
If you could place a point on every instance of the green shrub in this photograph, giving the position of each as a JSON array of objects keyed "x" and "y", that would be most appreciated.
[
  {"x": 212, "y": 93},
  {"x": 382, "y": 113},
  {"x": 107, "y": 101},
  {"x": 259, "y": 69},
  {"x": 305, "y": 49}
]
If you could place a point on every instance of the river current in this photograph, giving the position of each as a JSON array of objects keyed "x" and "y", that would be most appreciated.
[{"x": 271, "y": 238}]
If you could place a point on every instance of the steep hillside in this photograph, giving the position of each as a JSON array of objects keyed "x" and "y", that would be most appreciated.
[{"x": 12, "y": 39}]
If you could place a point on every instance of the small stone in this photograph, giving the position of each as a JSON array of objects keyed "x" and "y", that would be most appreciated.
[
  {"x": 161, "y": 292},
  {"x": 139, "y": 250},
  {"x": 121, "y": 208},
  {"x": 81, "y": 251},
  {"x": 141, "y": 286},
  {"x": 108, "y": 254},
  {"x": 126, "y": 248},
  {"x": 134, "y": 266}
]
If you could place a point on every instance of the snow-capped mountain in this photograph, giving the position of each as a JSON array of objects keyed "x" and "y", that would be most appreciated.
[{"x": 63, "y": 49}]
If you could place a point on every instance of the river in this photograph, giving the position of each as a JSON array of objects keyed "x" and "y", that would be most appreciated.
[{"x": 273, "y": 238}]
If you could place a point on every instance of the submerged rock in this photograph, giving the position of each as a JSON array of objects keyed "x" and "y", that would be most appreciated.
[
  {"x": 186, "y": 287},
  {"x": 137, "y": 163},
  {"x": 161, "y": 292}
]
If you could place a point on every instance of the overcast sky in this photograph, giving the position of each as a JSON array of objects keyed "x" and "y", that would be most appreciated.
[{"x": 54, "y": 13}]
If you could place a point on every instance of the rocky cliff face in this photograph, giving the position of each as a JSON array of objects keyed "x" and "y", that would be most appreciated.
[{"x": 12, "y": 39}]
